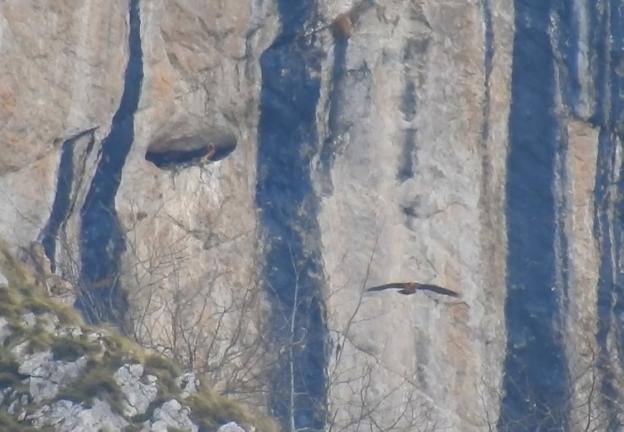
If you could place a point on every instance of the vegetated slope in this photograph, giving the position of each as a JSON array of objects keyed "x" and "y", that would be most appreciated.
[{"x": 59, "y": 374}]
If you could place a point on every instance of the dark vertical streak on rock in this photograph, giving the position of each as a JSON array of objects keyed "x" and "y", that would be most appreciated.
[
  {"x": 535, "y": 365},
  {"x": 608, "y": 43},
  {"x": 488, "y": 33},
  {"x": 606, "y": 279},
  {"x": 293, "y": 274},
  {"x": 489, "y": 41},
  {"x": 414, "y": 59},
  {"x": 408, "y": 155},
  {"x": 617, "y": 79},
  {"x": 569, "y": 51},
  {"x": 616, "y": 72},
  {"x": 62, "y": 205},
  {"x": 561, "y": 212},
  {"x": 600, "y": 48},
  {"x": 616, "y": 129},
  {"x": 409, "y": 101},
  {"x": 101, "y": 242},
  {"x": 335, "y": 127},
  {"x": 565, "y": 43}
]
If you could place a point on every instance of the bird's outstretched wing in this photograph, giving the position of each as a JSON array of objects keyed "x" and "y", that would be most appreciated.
[
  {"x": 411, "y": 287},
  {"x": 437, "y": 289},
  {"x": 397, "y": 285}
]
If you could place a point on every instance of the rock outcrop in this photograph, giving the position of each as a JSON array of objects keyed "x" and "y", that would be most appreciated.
[{"x": 60, "y": 374}]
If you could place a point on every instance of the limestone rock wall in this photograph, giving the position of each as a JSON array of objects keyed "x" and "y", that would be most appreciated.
[
  {"x": 62, "y": 74},
  {"x": 192, "y": 265},
  {"x": 416, "y": 193},
  {"x": 411, "y": 148},
  {"x": 408, "y": 177},
  {"x": 581, "y": 320}
]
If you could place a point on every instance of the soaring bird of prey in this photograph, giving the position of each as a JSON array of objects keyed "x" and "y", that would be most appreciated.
[{"x": 408, "y": 288}]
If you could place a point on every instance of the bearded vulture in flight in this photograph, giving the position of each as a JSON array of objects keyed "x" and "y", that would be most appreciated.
[{"x": 408, "y": 288}]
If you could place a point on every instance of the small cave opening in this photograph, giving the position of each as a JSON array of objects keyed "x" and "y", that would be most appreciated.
[{"x": 190, "y": 150}]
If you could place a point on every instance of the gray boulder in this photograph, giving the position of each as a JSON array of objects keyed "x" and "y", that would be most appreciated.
[
  {"x": 48, "y": 375},
  {"x": 231, "y": 427},
  {"x": 138, "y": 396},
  {"x": 188, "y": 383},
  {"x": 172, "y": 415},
  {"x": 66, "y": 416}
]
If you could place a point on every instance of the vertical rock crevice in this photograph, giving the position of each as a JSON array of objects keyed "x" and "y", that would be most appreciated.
[
  {"x": 607, "y": 43},
  {"x": 336, "y": 129},
  {"x": 415, "y": 58},
  {"x": 587, "y": 42},
  {"x": 409, "y": 105},
  {"x": 570, "y": 37},
  {"x": 535, "y": 382},
  {"x": 293, "y": 274},
  {"x": 607, "y": 294},
  {"x": 64, "y": 197},
  {"x": 488, "y": 58},
  {"x": 101, "y": 238}
]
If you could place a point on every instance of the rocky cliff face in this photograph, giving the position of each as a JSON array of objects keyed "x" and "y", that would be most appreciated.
[
  {"x": 224, "y": 179},
  {"x": 416, "y": 193}
]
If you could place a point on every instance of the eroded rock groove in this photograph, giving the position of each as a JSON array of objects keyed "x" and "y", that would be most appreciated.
[
  {"x": 102, "y": 243},
  {"x": 535, "y": 367},
  {"x": 61, "y": 207},
  {"x": 293, "y": 274}
]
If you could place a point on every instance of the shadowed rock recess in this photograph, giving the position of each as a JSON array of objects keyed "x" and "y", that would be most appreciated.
[
  {"x": 185, "y": 151},
  {"x": 223, "y": 180}
]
